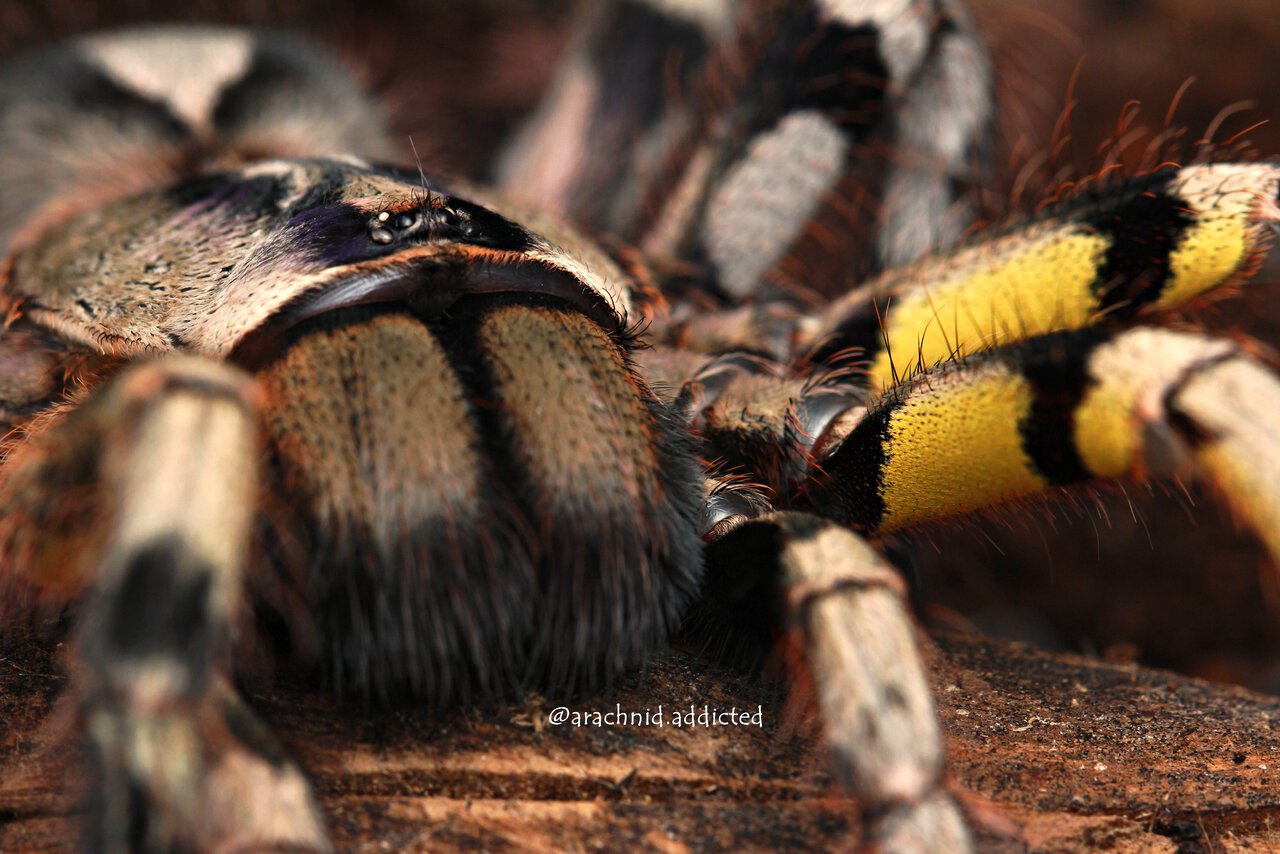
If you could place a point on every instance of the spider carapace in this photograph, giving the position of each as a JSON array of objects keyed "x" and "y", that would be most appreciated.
[{"x": 459, "y": 450}]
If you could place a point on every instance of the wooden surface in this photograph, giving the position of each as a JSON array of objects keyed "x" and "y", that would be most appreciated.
[{"x": 1053, "y": 754}]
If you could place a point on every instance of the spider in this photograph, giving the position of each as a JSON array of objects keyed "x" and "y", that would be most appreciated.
[{"x": 259, "y": 379}]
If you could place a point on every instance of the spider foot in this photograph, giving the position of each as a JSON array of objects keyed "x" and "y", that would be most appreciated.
[
  {"x": 195, "y": 775},
  {"x": 847, "y": 635},
  {"x": 933, "y": 823}
]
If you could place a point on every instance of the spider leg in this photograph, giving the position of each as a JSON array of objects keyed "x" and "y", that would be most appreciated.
[
  {"x": 846, "y": 610},
  {"x": 1111, "y": 255},
  {"x": 109, "y": 115},
  {"x": 595, "y": 147},
  {"x": 819, "y": 583},
  {"x": 181, "y": 761},
  {"x": 1057, "y": 410},
  {"x": 1228, "y": 416},
  {"x": 757, "y": 138},
  {"x": 793, "y": 185}
]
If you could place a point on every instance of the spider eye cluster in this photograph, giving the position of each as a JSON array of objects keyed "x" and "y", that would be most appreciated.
[
  {"x": 386, "y": 228},
  {"x": 446, "y": 219}
]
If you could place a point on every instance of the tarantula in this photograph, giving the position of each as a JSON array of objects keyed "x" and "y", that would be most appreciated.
[{"x": 254, "y": 371}]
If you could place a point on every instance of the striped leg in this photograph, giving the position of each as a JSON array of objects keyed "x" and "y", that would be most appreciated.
[
  {"x": 1058, "y": 410},
  {"x": 843, "y": 143},
  {"x": 792, "y": 145},
  {"x": 818, "y": 583},
  {"x": 1111, "y": 255},
  {"x": 845, "y": 609},
  {"x": 182, "y": 763},
  {"x": 625, "y": 97}
]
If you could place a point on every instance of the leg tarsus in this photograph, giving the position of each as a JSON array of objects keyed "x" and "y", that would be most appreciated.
[
  {"x": 200, "y": 776},
  {"x": 846, "y": 612},
  {"x": 933, "y": 823}
]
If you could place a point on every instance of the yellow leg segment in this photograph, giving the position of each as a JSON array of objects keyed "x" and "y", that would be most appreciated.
[
  {"x": 1058, "y": 410},
  {"x": 1146, "y": 245},
  {"x": 1011, "y": 290},
  {"x": 979, "y": 411}
]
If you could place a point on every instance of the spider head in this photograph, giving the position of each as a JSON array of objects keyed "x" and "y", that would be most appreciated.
[
  {"x": 487, "y": 494},
  {"x": 153, "y": 272}
]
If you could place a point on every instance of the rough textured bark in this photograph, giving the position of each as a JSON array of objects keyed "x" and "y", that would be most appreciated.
[{"x": 1051, "y": 753}]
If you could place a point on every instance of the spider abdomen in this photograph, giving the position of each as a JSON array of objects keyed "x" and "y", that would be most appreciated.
[{"x": 487, "y": 500}]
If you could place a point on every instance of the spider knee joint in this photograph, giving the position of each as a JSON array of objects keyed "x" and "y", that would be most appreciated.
[{"x": 152, "y": 635}]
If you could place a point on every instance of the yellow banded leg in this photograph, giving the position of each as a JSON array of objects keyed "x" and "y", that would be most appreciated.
[
  {"x": 846, "y": 608},
  {"x": 1146, "y": 245},
  {"x": 1057, "y": 410},
  {"x": 183, "y": 763}
]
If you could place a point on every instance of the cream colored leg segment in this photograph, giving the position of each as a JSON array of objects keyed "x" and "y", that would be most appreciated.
[
  {"x": 876, "y": 706},
  {"x": 1236, "y": 406},
  {"x": 1166, "y": 402},
  {"x": 183, "y": 763}
]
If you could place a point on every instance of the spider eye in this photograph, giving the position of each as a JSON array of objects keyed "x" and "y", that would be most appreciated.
[
  {"x": 383, "y": 230},
  {"x": 447, "y": 220}
]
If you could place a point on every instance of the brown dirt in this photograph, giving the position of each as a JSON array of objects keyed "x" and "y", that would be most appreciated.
[{"x": 1051, "y": 753}]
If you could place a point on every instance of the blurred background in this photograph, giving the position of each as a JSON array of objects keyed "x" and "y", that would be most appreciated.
[{"x": 1157, "y": 575}]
